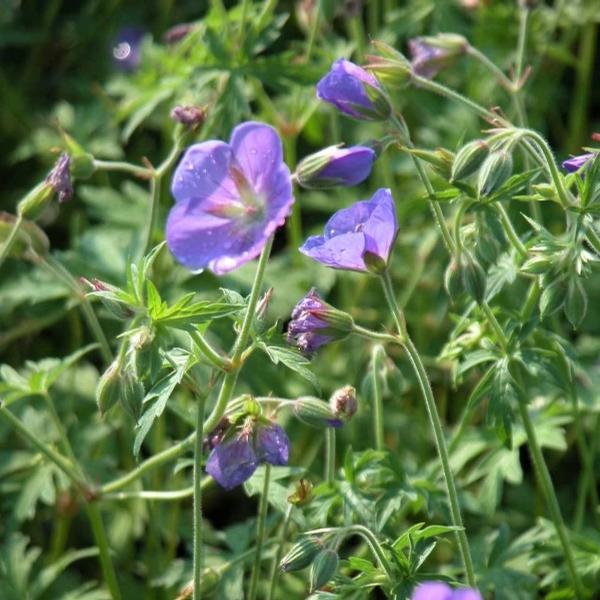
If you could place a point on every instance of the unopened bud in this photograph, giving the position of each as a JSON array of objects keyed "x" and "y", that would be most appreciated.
[
  {"x": 495, "y": 170},
  {"x": 301, "y": 554},
  {"x": 60, "y": 178},
  {"x": 473, "y": 277},
  {"x": 391, "y": 67},
  {"x": 191, "y": 117},
  {"x": 323, "y": 568},
  {"x": 132, "y": 393},
  {"x": 453, "y": 281},
  {"x": 468, "y": 159},
  {"x": 537, "y": 264},
  {"x": 315, "y": 412},
  {"x": 34, "y": 203},
  {"x": 82, "y": 163},
  {"x": 108, "y": 390},
  {"x": 575, "y": 303}
]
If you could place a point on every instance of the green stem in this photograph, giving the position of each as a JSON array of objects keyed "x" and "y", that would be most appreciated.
[
  {"x": 434, "y": 419},
  {"x": 165, "y": 496},
  {"x": 330, "y": 456},
  {"x": 510, "y": 232},
  {"x": 521, "y": 43},
  {"x": 244, "y": 21},
  {"x": 376, "y": 361},
  {"x": 274, "y": 576},
  {"x": 491, "y": 66},
  {"x": 146, "y": 244},
  {"x": 219, "y": 361},
  {"x": 60, "y": 271},
  {"x": 545, "y": 482},
  {"x": 11, "y": 239},
  {"x": 312, "y": 36},
  {"x": 294, "y": 222},
  {"x": 110, "y": 577},
  {"x": 491, "y": 318},
  {"x": 260, "y": 532},
  {"x": 123, "y": 167},
  {"x": 198, "y": 499}
]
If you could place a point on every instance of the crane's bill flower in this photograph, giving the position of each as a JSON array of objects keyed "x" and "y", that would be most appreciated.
[
  {"x": 233, "y": 462},
  {"x": 431, "y": 54},
  {"x": 354, "y": 91},
  {"x": 437, "y": 590},
  {"x": 573, "y": 164},
  {"x": 230, "y": 198},
  {"x": 315, "y": 323},
  {"x": 335, "y": 166},
  {"x": 357, "y": 238},
  {"x": 272, "y": 444}
]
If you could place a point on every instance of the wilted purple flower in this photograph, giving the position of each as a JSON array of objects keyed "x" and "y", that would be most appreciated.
[
  {"x": 343, "y": 402},
  {"x": 354, "y": 91},
  {"x": 127, "y": 50},
  {"x": 190, "y": 116},
  {"x": 431, "y": 54},
  {"x": 436, "y": 590},
  {"x": 232, "y": 462},
  {"x": 573, "y": 164},
  {"x": 357, "y": 238},
  {"x": 230, "y": 198},
  {"x": 335, "y": 166},
  {"x": 315, "y": 323},
  {"x": 60, "y": 178},
  {"x": 272, "y": 444}
]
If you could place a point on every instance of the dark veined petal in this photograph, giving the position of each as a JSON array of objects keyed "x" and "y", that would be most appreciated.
[
  {"x": 232, "y": 463},
  {"x": 272, "y": 444},
  {"x": 345, "y": 251}
]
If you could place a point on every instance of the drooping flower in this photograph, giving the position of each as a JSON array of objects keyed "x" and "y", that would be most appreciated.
[
  {"x": 354, "y": 91},
  {"x": 233, "y": 461},
  {"x": 272, "y": 444},
  {"x": 60, "y": 178},
  {"x": 343, "y": 402},
  {"x": 437, "y": 590},
  {"x": 127, "y": 51},
  {"x": 230, "y": 198},
  {"x": 336, "y": 166},
  {"x": 432, "y": 54},
  {"x": 357, "y": 238},
  {"x": 315, "y": 323},
  {"x": 573, "y": 164}
]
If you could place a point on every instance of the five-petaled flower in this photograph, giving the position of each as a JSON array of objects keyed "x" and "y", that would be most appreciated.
[
  {"x": 315, "y": 323},
  {"x": 233, "y": 461},
  {"x": 357, "y": 238},
  {"x": 437, "y": 590},
  {"x": 575, "y": 163},
  {"x": 230, "y": 198},
  {"x": 354, "y": 91}
]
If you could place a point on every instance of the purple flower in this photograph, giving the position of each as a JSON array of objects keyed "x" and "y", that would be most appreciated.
[
  {"x": 315, "y": 323},
  {"x": 232, "y": 462},
  {"x": 272, "y": 444},
  {"x": 431, "y": 54},
  {"x": 127, "y": 50},
  {"x": 357, "y": 238},
  {"x": 230, "y": 198},
  {"x": 335, "y": 166},
  {"x": 60, "y": 178},
  {"x": 354, "y": 91},
  {"x": 436, "y": 590},
  {"x": 573, "y": 164}
]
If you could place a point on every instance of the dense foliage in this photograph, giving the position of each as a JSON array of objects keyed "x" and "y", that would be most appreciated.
[{"x": 402, "y": 388}]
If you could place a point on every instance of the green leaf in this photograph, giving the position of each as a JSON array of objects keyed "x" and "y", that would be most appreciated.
[{"x": 292, "y": 359}]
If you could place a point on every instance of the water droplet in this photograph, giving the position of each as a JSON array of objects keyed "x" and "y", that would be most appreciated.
[
  {"x": 205, "y": 171},
  {"x": 252, "y": 150}
]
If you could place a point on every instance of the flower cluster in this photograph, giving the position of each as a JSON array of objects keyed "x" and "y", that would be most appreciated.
[{"x": 233, "y": 461}]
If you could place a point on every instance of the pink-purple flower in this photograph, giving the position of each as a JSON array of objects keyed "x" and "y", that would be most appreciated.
[
  {"x": 230, "y": 198},
  {"x": 233, "y": 461},
  {"x": 60, "y": 178},
  {"x": 335, "y": 166},
  {"x": 315, "y": 323},
  {"x": 437, "y": 590},
  {"x": 575, "y": 163},
  {"x": 357, "y": 238},
  {"x": 354, "y": 91}
]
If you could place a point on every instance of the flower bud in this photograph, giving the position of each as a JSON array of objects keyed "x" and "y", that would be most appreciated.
[
  {"x": 552, "y": 298},
  {"x": 82, "y": 162},
  {"x": 314, "y": 412},
  {"x": 431, "y": 54},
  {"x": 107, "y": 294},
  {"x": 60, "y": 178},
  {"x": 145, "y": 355},
  {"x": 575, "y": 163},
  {"x": 495, "y": 170},
  {"x": 335, "y": 166},
  {"x": 453, "y": 281},
  {"x": 132, "y": 393},
  {"x": 473, "y": 277},
  {"x": 323, "y": 568},
  {"x": 108, "y": 390},
  {"x": 301, "y": 554},
  {"x": 468, "y": 159},
  {"x": 34, "y": 203},
  {"x": 440, "y": 158},
  {"x": 391, "y": 68},
  {"x": 343, "y": 402},
  {"x": 191, "y": 117},
  {"x": 537, "y": 264}
]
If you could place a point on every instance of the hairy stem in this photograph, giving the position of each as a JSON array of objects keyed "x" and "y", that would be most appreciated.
[
  {"x": 198, "y": 498},
  {"x": 11, "y": 239},
  {"x": 260, "y": 532},
  {"x": 376, "y": 361}
]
